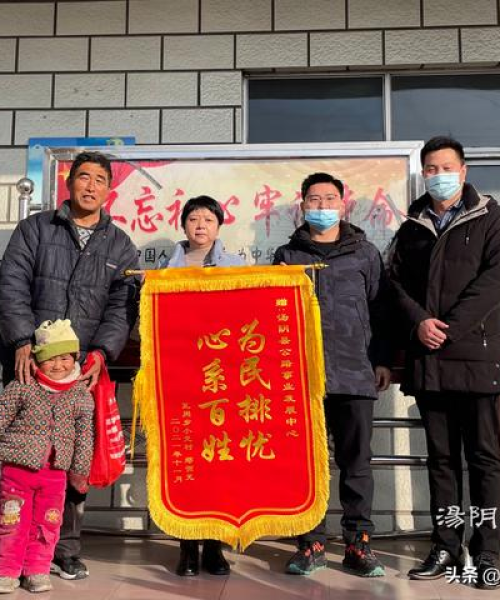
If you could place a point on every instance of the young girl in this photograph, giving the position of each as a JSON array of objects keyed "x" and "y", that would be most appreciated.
[{"x": 46, "y": 436}]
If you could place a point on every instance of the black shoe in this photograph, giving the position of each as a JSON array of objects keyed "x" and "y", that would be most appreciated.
[
  {"x": 189, "y": 563},
  {"x": 488, "y": 573},
  {"x": 307, "y": 560},
  {"x": 212, "y": 559},
  {"x": 434, "y": 566},
  {"x": 69, "y": 568},
  {"x": 360, "y": 560}
]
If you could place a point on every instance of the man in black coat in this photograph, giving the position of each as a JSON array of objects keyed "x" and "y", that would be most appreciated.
[
  {"x": 69, "y": 264},
  {"x": 352, "y": 293},
  {"x": 446, "y": 273}
]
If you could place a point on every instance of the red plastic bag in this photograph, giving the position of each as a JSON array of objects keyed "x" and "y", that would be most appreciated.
[{"x": 108, "y": 461}]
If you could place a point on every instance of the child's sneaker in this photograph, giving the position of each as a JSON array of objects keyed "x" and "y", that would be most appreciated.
[
  {"x": 40, "y": 582},
  {"x": 307, "y": 560},
  {"x": 8, "y": 584},
  {"x": 360, "y": 560}
]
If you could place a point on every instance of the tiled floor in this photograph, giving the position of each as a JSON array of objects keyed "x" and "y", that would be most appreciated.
[{"x": 142, "y": 569}]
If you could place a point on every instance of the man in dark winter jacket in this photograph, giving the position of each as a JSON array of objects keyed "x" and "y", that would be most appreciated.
[
  {"x": 446, "y": 273},
  {"x": 352, "y": 293},
  {"x": 69, "y": 264}
]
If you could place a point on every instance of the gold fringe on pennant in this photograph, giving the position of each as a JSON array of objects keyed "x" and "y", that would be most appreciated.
[
  {"x": 208, "y": 279},
  {"x": 144, "y": 396},
  {"x": 138, "y": 386},
  {"x": 316, "y": 376},
  {"x": 143, "y": 382},
  {"x": 144, "y": 393}
]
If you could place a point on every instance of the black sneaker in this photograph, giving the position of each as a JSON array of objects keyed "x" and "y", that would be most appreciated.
[
  {"x": 360, "y": 560},
  {"x": 307, "y": 560},
  {"x": 488, "y": 573},
  {"x": 69, "y": 568}
]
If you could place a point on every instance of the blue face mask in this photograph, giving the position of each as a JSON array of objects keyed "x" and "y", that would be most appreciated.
[
  {"x": 443, "y": 186},
  {"x": 322, "y": 219}
]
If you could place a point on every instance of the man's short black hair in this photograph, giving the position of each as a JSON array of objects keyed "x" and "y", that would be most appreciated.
[
  {"x": 315, "y": 178},
  {"x": 91, "y": 157},
  {"x": 440, "y": 142},
  {"x": 202, "y": 202}
]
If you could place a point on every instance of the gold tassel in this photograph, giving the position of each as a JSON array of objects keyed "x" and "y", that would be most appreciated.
[
  {"x": 141, "y": 386},
  {"x": 317, "y": 388},
  {"x": 137, "y": 394}
]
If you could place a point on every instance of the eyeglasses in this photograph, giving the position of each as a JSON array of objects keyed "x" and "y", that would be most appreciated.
[{"x": 326, "y": 201}]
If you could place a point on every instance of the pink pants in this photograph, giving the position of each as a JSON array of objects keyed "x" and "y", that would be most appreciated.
[{"x": 31, "y": 505}]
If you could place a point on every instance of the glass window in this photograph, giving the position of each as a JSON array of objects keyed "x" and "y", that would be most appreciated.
[
  {"x": 463, "y": 106},
  {"x": 485, "y": 178},
  {"x": 315, "y": 110}
]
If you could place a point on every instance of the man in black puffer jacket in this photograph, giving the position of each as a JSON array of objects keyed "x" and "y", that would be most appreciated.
[
  {"x": 353, "y": 296},
  {"x": 446, "y": 274},
  {"x": 69, "y": 264}
]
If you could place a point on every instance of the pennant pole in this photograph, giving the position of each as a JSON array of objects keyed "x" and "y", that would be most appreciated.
[{"x": 313, "y": 267}]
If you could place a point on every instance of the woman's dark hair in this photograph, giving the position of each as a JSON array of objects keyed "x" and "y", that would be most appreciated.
[
  {"x": 315, "y": 178},
  {"x": 441, "y": 142},
  {"x": 202, "y": 202},
  {"x": 91, "y": 157}
]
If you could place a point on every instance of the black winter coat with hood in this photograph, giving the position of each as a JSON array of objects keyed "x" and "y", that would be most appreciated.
[
  {"x": 353, "y": 296},
  {"x": 455, "y": 277},
  {"x": 45, "y": 275}
]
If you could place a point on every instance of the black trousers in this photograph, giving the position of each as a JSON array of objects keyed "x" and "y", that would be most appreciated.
[
  {"x": 349, "y": 419},
  {"x": 69, "y": 543},
  {"x": 7, "y": 360},
  {"x": 452, "y": 420}
]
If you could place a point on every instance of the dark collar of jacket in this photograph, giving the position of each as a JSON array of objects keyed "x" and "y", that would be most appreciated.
[
  {"x": 350, "y": 237},
  {"x": 470, "y": 196},
  {"x": 64, "y": 213}
]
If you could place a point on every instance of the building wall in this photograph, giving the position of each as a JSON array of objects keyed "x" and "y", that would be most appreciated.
[{"x": 171, "y": 72}]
